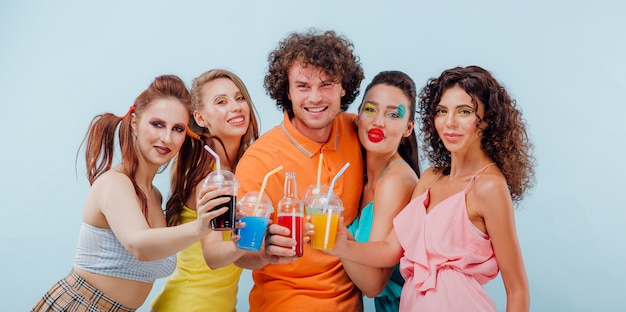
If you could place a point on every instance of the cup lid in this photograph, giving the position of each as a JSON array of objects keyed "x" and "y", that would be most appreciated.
[
  {"x": 221, "y": 176},
  {"x": 320, "y": 200},
  {"x": 312, "y": 190},
  {"x": 252, "y": 198}
]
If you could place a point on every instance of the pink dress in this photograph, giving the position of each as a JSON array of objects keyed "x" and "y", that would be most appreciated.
[{"x": 446, "y": 258}]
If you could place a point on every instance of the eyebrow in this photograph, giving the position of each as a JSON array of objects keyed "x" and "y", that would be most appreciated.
[
  {"x": 329, "y": 80},
  {"x": 390, "y": 107},
  {"x": 162, "y": 120},
  {"x": 219, "y": 96},
  {"x": 457, "y": 106}
]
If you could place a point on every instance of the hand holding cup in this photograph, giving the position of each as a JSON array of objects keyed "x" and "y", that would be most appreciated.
[
  {"x": 279, "y": 245},
  {"x": 208, "y": 199}
]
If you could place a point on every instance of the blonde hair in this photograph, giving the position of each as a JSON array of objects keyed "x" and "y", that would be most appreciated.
[{"x": 252, "y": 133}]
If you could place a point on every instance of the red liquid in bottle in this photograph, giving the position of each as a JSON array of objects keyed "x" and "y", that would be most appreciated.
[{"x": 294, "y": 224}]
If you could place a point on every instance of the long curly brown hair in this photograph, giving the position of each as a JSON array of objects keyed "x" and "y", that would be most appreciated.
[
  {"x": 330, "y": 52},
  {"x": 503, "y": 130}
]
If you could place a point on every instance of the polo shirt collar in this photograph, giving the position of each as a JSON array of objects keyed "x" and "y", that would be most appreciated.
[{"x": 306, "y": 145}]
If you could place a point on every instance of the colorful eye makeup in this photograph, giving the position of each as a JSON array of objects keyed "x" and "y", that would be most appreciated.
[
  {"x": 401, "y": 110},
  {"x": 370, "y": 110}
]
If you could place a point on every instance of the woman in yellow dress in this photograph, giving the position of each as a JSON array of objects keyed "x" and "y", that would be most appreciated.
[{"x": 207, "y": 280}]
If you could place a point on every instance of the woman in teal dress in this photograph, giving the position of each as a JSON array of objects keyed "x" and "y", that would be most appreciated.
[{"x": 385, "y": 127}]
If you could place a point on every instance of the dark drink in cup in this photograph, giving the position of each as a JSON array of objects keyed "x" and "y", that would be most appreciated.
[
  {"x": 224, "y": 179},
  {"x": 225, "y": 221}
]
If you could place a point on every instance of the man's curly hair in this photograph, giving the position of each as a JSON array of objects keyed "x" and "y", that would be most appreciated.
[
  {"x": 330, "y": 52},
  {"x": 503, "y": 133}
]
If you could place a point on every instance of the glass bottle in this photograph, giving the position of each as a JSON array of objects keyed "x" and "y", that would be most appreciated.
[{"x": 291, "y": 212}]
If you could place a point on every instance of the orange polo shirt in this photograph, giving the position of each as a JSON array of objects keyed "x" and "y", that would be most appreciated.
[{"x": 316, "y": 281}]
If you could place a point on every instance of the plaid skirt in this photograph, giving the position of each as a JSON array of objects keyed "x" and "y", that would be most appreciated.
[{"x": 74, "y": 294}]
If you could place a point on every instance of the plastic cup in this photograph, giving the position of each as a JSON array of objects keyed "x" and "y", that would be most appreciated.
[
  {"x": 256, "y": 218},
  {"x": 224, "y": 179},
  {"x": 325, "y": 219}
]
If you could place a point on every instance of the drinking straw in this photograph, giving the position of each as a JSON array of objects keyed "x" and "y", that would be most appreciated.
[
  {"x": 319, "y": 175},
  {"x": 258, "y": 202},
  {"x": 330, "y": 210},
  {"x": 217, "y": 159},
  {"x": 332, "y": 184},
  {"x": 293, "y": 225},
  {"x": 218, "y": 177},
  {"x": 327, "y": 233}
]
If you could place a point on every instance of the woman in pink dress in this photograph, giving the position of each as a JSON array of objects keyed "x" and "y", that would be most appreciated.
[{"x": 458, "y": 232}]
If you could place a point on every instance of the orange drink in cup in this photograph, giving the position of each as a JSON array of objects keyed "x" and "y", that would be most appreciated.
[{"x": 325, "y": 218}]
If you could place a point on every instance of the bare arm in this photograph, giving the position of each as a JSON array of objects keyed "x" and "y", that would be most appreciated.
[
  {"x": 113, "y": 196},
  {"x": 392, "y": 194},
  {"x": 218, "y": 252},
  {"x": 493, "y": 202},
  {"x": 380, "y": 254}
]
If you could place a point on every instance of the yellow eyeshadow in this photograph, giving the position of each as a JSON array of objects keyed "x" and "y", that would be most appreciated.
[{"x": 369, "y": 109}]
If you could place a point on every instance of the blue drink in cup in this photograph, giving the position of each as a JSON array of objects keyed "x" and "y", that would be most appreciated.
[{"x": 257, "y": 214}]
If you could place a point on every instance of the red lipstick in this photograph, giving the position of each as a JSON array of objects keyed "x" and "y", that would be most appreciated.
[{"x": 375, "y": 135}]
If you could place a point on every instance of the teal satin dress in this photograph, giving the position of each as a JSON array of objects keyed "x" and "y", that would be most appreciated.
[{"x": 389, "y": 298}]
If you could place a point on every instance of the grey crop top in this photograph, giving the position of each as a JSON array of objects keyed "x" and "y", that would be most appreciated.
[{"x": 99, "y": 251}]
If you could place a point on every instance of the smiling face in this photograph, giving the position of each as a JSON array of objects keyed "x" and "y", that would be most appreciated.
[
  {"x": 224, "y": 110},
  {"x": 383, "y": 120},
  {"x": 316, "y": 101},
  {"x": 160, "y": 130},
  {"x": 456, "y": 120}
]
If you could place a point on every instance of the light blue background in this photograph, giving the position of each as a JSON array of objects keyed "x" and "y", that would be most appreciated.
[{"x": 62, "y": 62}]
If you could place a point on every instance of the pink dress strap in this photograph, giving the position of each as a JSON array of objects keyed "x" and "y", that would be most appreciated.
[{"x": 475, "y": 174}]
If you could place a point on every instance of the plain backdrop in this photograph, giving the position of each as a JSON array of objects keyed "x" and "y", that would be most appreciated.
[{"x": 62, "y": 62}]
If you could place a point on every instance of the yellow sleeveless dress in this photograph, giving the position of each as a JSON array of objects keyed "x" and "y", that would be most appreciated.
[{"x": 194, "y": 286}]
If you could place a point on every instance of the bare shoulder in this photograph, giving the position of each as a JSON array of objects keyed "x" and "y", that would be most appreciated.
[
  {"x": 489, "y": 182},
  {"x": 400, "y": 176},
  {"x": 112, "y": 182},
  {"x": 428, "y": 177},
  {"x": 112, "y": 191},
  {"x": 490, "y": 192}
]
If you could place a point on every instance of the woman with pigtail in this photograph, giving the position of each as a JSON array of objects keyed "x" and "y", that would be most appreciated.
[{"x": 124, "y": 243}]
